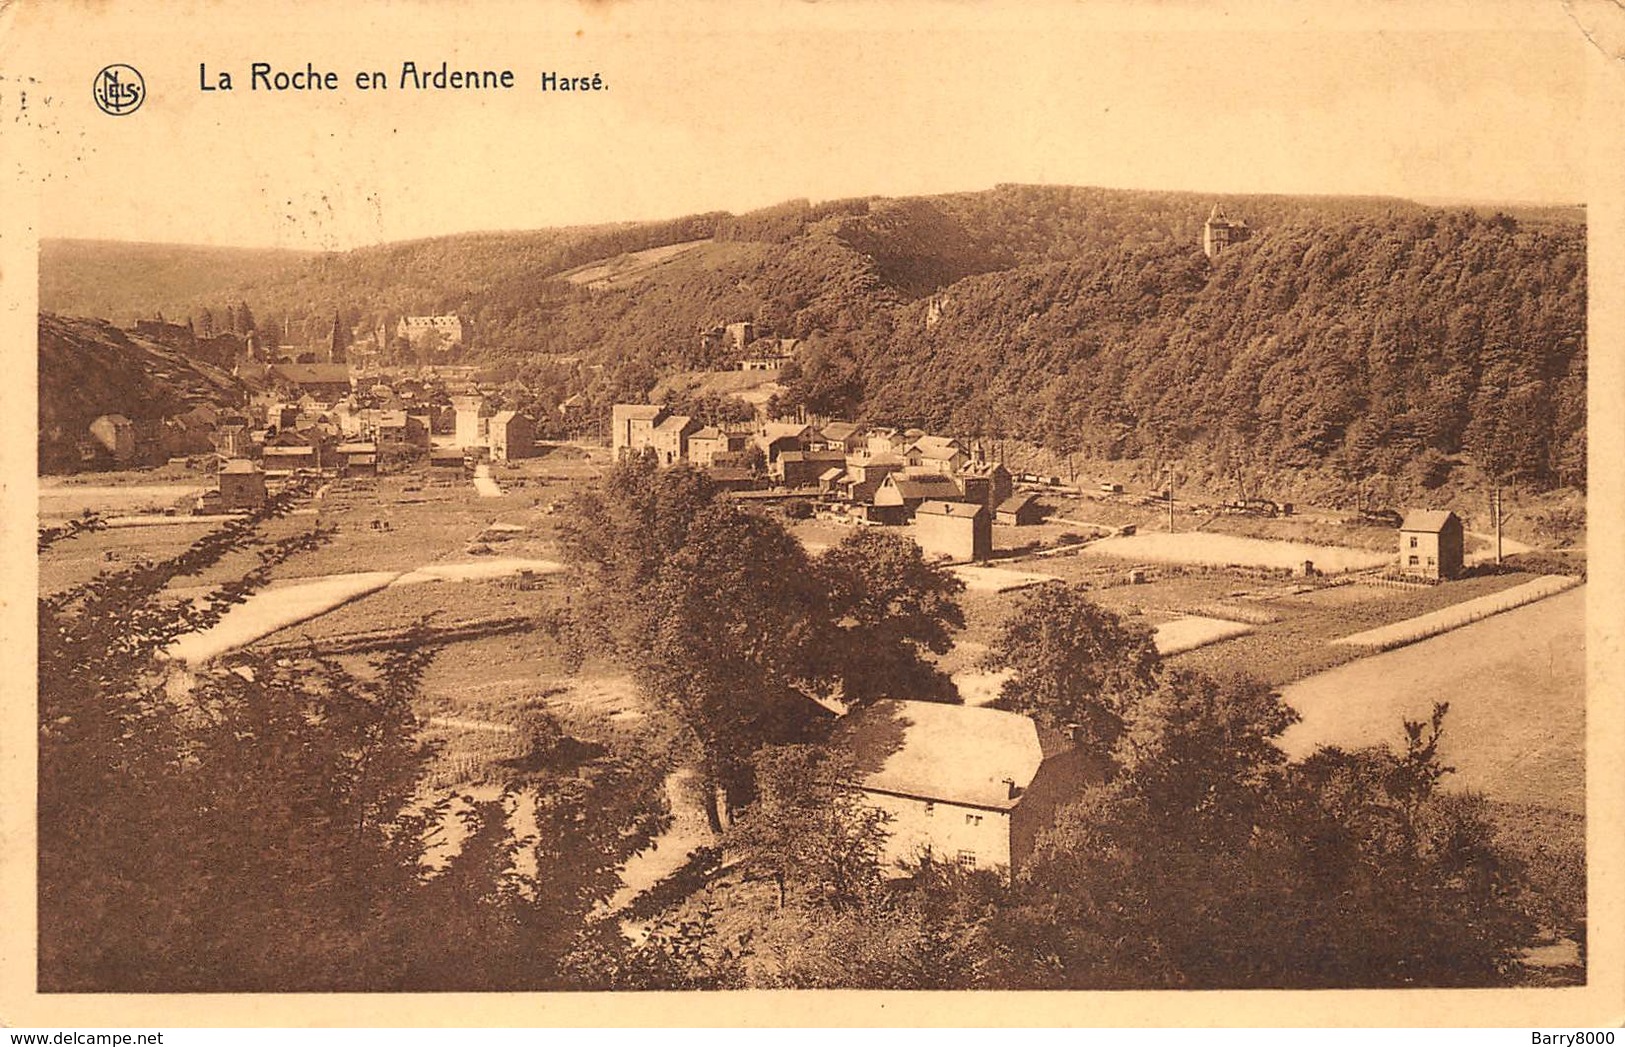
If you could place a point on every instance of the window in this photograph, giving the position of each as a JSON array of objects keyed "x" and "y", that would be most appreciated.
[
  {"x": 1413, "y": 541},
  {"x": 966, "y": 859},
  {"x": 973, "y": 819},
  {"x": 1414, "y": 561},
  {"x": 1432, "y": 562},
  {"x": 930, "y": 808}
]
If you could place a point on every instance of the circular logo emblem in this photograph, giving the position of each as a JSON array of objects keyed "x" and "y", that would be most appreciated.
[{"x": 119, "y": 90}]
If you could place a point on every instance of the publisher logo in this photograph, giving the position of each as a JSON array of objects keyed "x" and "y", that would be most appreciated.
[{"x": 119, "y": 90}]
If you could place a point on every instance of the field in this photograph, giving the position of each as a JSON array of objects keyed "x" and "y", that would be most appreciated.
[
  {"x": 1223, "y": 550},
  {"x": 1516, "y": 687}
]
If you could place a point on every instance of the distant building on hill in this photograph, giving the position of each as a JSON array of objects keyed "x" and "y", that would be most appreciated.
[
  {"x": 445, "y": 331},
  {"x": 1220, "y": 232},
  {"x": 1431, "y": 543}
]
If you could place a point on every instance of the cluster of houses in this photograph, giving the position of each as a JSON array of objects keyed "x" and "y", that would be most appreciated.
[
  {"x": 944, "y": 486},
  {"x": 343, "y": 427}
]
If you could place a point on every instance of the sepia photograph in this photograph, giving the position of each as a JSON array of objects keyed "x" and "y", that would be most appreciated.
[{"x": 597, "y": 498}]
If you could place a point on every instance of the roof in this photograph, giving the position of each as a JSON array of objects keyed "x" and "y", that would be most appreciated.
[
  {"x": 674, "y": 423},
  {"x": 314, "y": 374},
  {"x": 841, "y": 430},
  {"x": 962, "y": 510},
  {"x": 504, "y": 417},
  {"x": 953, "y": 753},
  {"x": 830, "y": 474},
  {"x": 926, "y": 443},
  {"x": 291, "y": 450},
  {"x": 709, "y": 432},
  {"x": 1015, "y": 503},
  {"x": 923, "y": 486},
  {"x": 391, "y": 418},
  {"x": 642, "y": 411},
  {"x": 363, "y": 447},
  {"x": 940, "y": 452},
  {"x": 239, "y": 467},
  {"x": 1431, "y": 521},
  {"x": 813, "y": 456},
  {"x": 777, "y": 429},
  {"x": 723, "y": 472}
]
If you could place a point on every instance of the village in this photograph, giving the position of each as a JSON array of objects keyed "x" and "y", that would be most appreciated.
[{"x": 443, "y": 504}]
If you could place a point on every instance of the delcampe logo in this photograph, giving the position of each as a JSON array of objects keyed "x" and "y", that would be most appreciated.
[{"x": 119, "y": 90}]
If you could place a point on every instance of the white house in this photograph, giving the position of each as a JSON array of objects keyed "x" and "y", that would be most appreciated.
[{"x": 963, "y": 784}]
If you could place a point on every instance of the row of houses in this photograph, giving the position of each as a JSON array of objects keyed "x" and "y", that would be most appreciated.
[{"x": 944, "y": 486}]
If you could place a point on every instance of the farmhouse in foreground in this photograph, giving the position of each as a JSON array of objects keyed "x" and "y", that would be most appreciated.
[{"x": 963, "y": 784}]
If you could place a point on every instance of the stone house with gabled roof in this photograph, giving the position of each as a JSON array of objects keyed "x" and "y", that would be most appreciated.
[
  {"x": 962, "y": 784},
  {"x": 1431, "y": 544}
]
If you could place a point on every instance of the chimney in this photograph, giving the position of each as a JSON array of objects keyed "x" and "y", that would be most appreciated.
[{"x": 1010, "y": 783}]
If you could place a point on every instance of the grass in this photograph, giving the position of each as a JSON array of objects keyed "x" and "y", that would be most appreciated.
[{"x": 1516, "y": 687}]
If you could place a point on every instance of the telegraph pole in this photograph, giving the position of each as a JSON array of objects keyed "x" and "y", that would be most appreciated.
[
  {"x": 1168, "y": 493},
  {"x": 1497, "y": 508}
]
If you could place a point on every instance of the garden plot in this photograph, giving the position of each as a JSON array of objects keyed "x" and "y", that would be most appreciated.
[
  {"x": 1192, "y": 631},
  {"x": 1454, "y": 617},
  {"x": 72, "y": 499},
  {"x": 998, "y": 579},
  {"x": 280, "y": 606},
  {"x": 477, "y": 571},
  {"x": 276, "y": 608},
  {"x": 1224, "y": 550}
]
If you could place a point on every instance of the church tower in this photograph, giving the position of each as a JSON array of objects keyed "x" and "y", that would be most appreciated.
[{"x": 339, "y": 342}]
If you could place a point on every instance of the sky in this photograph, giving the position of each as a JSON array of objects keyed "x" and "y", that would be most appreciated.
[{"x": 729, "y": 106}]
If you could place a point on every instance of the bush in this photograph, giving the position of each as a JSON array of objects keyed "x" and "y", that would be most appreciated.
[{"x": 798, "y": 509}]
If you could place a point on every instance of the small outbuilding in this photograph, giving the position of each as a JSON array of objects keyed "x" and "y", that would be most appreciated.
[
  {"x": 1431, "y": 544},
  {"x": 242, "y": 486},
  {"x": 956, "y": 530},
  {"x": 1020, "y": 510}
]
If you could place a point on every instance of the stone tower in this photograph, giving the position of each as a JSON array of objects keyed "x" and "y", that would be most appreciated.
[{"x": 1220, "y": 232}]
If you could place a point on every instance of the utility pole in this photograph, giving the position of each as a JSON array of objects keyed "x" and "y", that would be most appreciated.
[
  {"x": 1168, "y": 493},
  {"x": 1497, "y": 508}
]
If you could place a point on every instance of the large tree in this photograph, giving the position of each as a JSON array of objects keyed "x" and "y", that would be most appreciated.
[
  {"x": 891, "y": 608},
  {"x": 1074, "y": 664},
  {"x": 734, "y": 630}
]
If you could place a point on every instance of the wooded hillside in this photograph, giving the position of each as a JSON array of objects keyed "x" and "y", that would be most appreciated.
[{"x": 1350, "y": 337}]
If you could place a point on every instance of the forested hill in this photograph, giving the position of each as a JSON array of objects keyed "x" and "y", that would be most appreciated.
[
  {"x": 1362, "y": 346},
  {"x": 1351, "y": 336},
  {"x": 125, "y": 282}
]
